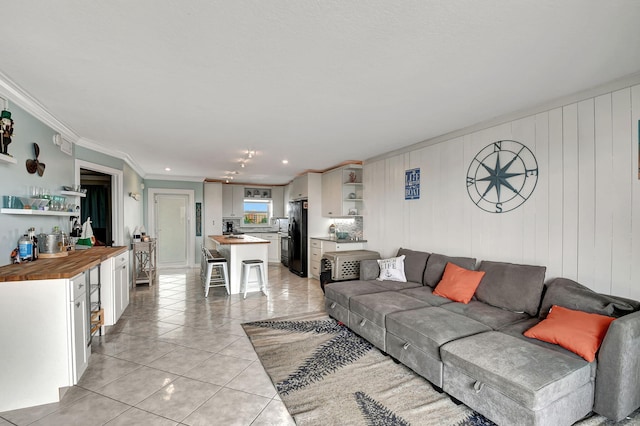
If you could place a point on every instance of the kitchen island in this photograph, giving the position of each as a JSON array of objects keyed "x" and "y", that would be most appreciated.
[
  {"x": 236, "y": 248},
  {"x": 45, "y": 308}
]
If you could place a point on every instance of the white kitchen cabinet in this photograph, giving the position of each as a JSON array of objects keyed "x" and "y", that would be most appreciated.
[
  {"x": 332, "y": 193},
  {"x": 212, "y": 222},
  {"x": 320, "y": 246},
  {"x": 80, "y": 336},
  {"x": 274, "y": 244},
  {"x": 299, "y": 187},
  {"x": 232, "y": 201},
  {"x": 114, "y": 277},
  {"x": 43, "y": 340},
  {"x": 277, "y": 196},
  {"x": 121, "y": 283},
  {"x": 342, "y": 192}
]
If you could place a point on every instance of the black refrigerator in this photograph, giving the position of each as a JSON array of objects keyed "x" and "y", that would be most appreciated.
[{"x": 298, "y": 237}]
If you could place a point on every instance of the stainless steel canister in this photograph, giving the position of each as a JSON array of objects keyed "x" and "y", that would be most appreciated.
[{"x": 50, "y": 243}]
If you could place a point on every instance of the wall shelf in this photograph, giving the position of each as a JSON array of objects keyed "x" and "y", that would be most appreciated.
[
  {"x": 8, "y": 159},
  {"x": 74, "y": 194},
  {"x": 37, "y": 212}
]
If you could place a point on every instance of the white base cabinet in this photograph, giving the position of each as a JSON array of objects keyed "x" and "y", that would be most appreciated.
[
  {"x": 44, "y": 339},
  {"x": 320, "y": 246},
  {"x": 115, "y": 287},
  {"x": 274, "y": 244}
]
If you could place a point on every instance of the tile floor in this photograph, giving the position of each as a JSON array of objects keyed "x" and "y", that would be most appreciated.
[{"x": 176, "y": 358}]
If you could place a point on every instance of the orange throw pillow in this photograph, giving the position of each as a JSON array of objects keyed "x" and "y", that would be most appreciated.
[
  {"x": 580, "y": 332},
  {"x": 458, "y": 284}
]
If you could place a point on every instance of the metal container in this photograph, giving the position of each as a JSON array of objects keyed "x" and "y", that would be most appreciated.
[{"x": 50, "y": 243}]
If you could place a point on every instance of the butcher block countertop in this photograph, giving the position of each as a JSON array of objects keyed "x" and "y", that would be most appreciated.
[
  {"x": 246, "y": 239},
  {"x": 60, "y": 267}
]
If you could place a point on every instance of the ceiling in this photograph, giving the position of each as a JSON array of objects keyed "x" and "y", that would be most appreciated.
[{"x": 192, "y": 85}]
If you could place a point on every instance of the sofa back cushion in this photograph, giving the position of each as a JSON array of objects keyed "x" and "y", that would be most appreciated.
[
  {"x": 415, "y": 263},
  {"x": 569, "y": 294},
  {"x": 517, "y": 288},
  {"x": 436, "y": 264}
]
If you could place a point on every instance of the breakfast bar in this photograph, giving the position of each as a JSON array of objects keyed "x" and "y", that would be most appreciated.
[{"x": 236, "y": 248}]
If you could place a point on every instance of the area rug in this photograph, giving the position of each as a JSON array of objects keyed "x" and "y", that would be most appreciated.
[{"x": 327, "y": 375}]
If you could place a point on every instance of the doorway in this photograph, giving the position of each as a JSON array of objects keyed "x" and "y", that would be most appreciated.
[
  {"x": 105, "y": 209},
  {"x": 97, "y": 205},
  {"x": 170, "y": 218}
]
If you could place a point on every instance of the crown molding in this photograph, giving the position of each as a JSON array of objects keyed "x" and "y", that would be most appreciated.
[
  {"x": 199, "y": 179},
  {"x": 16, "y": 94},
  {"x": 95, "y": 146}
]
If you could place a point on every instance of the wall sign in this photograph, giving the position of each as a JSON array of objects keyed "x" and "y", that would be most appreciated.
[
  {"x": 198, "y": 219},
  {"x": 412, "y": 184},
  {"x": 502, "y": 176}
]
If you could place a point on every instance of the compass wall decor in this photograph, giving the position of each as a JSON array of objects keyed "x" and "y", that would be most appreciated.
[{"x": 502, "y": 176}]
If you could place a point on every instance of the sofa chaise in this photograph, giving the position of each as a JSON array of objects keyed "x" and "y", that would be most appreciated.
[{"x": 476, "y": 350}]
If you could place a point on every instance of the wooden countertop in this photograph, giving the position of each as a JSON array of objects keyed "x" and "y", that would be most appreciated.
[
  {"x": 248, "y": 239},
  {"x": 60, "y": 267}
]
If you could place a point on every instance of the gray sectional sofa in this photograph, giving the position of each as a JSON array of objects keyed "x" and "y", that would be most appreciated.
[{"x": 477, "y": 352}]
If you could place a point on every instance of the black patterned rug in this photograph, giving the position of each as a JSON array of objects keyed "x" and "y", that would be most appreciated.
[{"x": 327, "y": 375}]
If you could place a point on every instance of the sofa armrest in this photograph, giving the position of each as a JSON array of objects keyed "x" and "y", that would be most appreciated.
[
  {"x": 618, "y": 373},
  {"x": 369, "y": 269}
]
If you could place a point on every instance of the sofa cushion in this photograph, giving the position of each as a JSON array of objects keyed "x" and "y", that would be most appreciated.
[
  {"x": 510, "y": 286},
  {"x": 341, "y": 292},
  {"x": 491, "y": 316},
  {"x": 397, "y": 285},
  {"x": 392, "y": 269},
  {"x": 415, "y": 263},
  {"x": 375, "y": 307},
  {"x": 533, "y": 376},
  {"x": 570, "y": 294},
  {"x": 513, "y": 382},
  {"x": 436, "y": 264},
  {"x": 431, "y": 327},
  {"x": 458, "y": 284},
  {"x": 425, "y": 293},
  {"x": 577, "y": 331}
]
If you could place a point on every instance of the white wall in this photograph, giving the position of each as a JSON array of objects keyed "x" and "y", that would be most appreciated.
[{"x": 582, "y": 221}]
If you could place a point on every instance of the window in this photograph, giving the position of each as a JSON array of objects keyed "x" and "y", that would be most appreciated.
[{"x": 257, "y": 212}]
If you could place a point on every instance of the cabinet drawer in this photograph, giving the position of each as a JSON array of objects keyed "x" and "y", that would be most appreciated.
[
  {"x": 315, "y": 269},
  {"x": 316, "y": 243},
  {"x": 316, "y": 255},
  {"x": 78, "y": 285},
  {"x": 121, "y": 259}
]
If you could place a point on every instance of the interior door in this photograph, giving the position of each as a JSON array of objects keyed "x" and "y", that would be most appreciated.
[{"x": 172, "y": 224}]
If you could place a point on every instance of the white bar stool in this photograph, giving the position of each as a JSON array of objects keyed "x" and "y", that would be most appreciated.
[
  {"x": 212, "y": 259},
  {"x": 246, "y": 271}
]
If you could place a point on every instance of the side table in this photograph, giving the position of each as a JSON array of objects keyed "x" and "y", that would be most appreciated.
[{"x": 144, "y": 262}]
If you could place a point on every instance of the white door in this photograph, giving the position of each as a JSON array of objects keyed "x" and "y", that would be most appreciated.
[{"x": 171, "y": 224}]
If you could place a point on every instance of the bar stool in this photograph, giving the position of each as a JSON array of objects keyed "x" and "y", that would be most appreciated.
[
  {"x": 246, "y": 271},
  {"x": 212, "y": 259}
]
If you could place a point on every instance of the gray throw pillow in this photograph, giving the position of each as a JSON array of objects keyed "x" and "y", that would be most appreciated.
[
  {"x": 437, "y": 262},
  {"x": 510, "y": 286},
  {"x": 414, "y": 264},
  {"x": 569, "y": 294}
]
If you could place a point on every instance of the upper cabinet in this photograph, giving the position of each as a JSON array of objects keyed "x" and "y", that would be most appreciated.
[
  {"x": 332, "y": 193},
  {"x": 299, "y": 188},
  {"x": 232, "y": 201},
  {"x": 277, "y": 195},
  {"x": 342, "y": 192}
]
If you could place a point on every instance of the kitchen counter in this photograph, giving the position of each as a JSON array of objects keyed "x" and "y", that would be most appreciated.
[
  {"x": 246, "y": 239},
  {"x": 235, "y": 250},
  {"x": 59, "y": 267},
  {"x": 342, "y": 241}
]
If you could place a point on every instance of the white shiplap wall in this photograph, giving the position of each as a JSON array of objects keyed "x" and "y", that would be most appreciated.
[{"x": 582, "y": 221}]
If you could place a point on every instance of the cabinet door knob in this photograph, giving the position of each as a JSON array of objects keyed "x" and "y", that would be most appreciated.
[{"x": 78, "y": 305}]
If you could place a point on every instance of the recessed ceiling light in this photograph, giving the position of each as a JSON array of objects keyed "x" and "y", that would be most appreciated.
[
  {"x": 167, "y": 169},
  {"x": 285, "y": 161}
]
